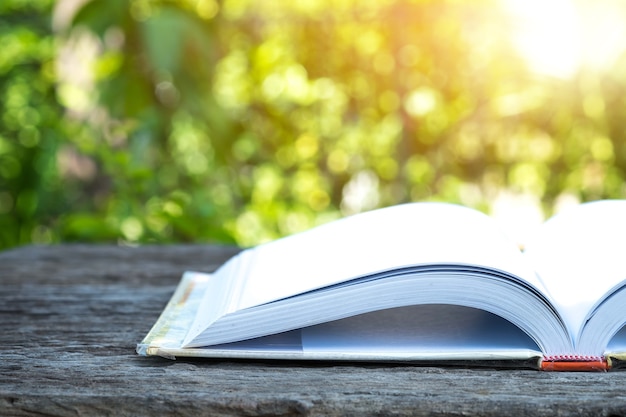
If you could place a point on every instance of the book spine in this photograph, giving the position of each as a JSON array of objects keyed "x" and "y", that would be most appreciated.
[{"x": 574, "y": 363}]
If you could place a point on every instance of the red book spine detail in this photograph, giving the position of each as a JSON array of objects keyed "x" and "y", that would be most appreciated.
[{"x": 574, "y": 363}]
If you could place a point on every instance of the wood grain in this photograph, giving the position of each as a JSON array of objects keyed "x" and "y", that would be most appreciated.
[{"x": 70, "y": 317}]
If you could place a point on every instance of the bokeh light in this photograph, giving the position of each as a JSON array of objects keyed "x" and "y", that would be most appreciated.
[{"x": 137, "y": 121}]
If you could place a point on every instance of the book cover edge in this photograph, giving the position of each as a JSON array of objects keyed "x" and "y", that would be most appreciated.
[{"x": 172, "y": 325}]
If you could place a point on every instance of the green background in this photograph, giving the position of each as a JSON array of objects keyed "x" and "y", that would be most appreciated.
[{"x": 152, "y": 121}]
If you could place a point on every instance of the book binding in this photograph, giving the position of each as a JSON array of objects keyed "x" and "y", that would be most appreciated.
[{"x": 574, "y": 363}]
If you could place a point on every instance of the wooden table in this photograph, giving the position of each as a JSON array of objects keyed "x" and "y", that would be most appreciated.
[{"x": 70, "y": 317}]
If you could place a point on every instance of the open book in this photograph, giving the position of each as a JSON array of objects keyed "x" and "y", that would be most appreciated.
[{"x": 420, "y": 282}]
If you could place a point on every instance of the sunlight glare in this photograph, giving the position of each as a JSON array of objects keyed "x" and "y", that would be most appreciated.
[{"x": 559, "y": 37}]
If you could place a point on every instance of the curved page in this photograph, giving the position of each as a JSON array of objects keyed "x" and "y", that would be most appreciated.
[
  {"x": 579, "y": 256},
  {"x": 380, "y": 240},
  {"x": 497, "y": 293},
  {"x": 425, "y": 329}
]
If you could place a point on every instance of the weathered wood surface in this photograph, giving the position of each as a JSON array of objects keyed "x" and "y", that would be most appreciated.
[{"x": 70, "y": 317}]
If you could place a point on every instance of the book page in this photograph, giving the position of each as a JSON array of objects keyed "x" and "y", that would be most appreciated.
[
  {"x": 579, "y": 256},
  {"x": 380, "y": 240},
  {"x": 415, "y": 329},
  {"x": 618, "y": 342}
]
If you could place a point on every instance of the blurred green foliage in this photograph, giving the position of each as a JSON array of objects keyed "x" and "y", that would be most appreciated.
[{"x": 240, "y": 121}]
